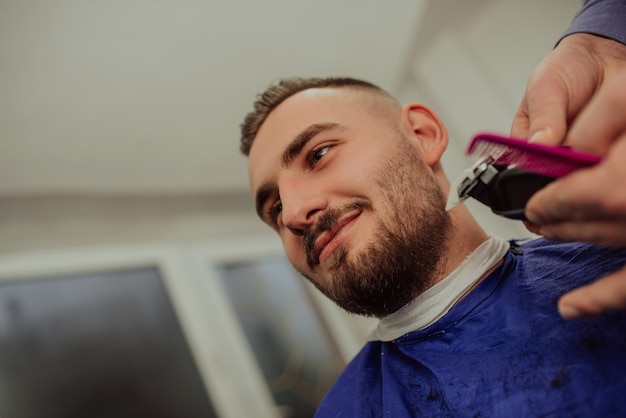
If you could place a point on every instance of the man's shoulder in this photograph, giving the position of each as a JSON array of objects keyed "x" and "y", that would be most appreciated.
[
  {"x": 565, "y": 251},
  {"x": 574, "y": 262}
]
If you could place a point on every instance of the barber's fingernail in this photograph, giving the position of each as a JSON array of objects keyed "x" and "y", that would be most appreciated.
[
  {"x": 547, "y": 234},
  {"x": 532, "y": 217},
  {"x": 537, "y": 136},
  {"x": 569, "y": 312},
  {"x": 536, "y": 219}
]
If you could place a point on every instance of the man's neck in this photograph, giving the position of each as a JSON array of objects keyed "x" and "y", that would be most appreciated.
[{"x": 463, "y": 238}]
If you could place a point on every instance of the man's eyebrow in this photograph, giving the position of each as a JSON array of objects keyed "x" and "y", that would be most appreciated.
[{"x": 295, "y": 147}]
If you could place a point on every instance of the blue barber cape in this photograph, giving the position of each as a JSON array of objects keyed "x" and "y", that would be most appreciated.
[{"x": 502, "y": 351}]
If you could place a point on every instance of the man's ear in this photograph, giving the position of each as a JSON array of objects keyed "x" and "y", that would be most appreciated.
[{"x": 428, "y": 130}]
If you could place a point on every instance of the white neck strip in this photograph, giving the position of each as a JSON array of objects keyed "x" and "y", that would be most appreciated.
[{"x": 434, "y": 303}]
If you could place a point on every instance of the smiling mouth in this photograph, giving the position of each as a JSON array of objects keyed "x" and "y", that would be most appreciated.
[{"x": 327, "y": 241}]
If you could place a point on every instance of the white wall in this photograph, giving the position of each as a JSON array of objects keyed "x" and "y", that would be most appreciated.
[{"x": 468, "y": 60}]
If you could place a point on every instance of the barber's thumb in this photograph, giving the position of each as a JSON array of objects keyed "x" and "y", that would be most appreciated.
[
  {"x": 548, "y": 123},
  {"x": 546, "y": 136},
  {"x": 605, "y": 295}
]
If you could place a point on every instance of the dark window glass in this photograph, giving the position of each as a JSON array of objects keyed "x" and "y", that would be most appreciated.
[{"x": 95, "y": 345}]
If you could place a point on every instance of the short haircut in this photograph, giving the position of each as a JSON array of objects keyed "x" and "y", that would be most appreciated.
[{"x": 284, "y": 88}]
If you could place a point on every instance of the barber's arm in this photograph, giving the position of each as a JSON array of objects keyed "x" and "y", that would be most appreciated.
[{"x": 577, "y": 97}]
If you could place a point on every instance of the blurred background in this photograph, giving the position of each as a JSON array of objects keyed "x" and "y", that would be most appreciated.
[{"x": 135, "y": 279}]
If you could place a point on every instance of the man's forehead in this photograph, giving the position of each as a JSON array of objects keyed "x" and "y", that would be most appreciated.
[
  {"x": 307, "y": 103},
  {"x": 295, "y": 114},
  {"x": 315, "y": 105}
]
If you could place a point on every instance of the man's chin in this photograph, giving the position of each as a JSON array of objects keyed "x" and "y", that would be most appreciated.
[{"x": 335, "y": 262}]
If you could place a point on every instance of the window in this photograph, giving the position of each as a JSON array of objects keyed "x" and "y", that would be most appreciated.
[
  {"x": 98, "y": 344},
  {"x": 222, "y": 328},
  {"x": 295, "y": 352}
]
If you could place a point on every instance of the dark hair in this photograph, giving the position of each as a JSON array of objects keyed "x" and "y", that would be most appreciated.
[{"x": 281, "y": 90}]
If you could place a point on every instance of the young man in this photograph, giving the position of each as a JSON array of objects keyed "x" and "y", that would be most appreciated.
[{"x": 353, "y": 184}]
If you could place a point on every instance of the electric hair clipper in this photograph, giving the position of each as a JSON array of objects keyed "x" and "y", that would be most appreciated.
[{"x": 509, "y": 171}]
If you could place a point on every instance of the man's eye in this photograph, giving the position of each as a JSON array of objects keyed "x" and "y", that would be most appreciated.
[
  {"x": 275, "y": 211},
  {"x": 316, "y": 155}
]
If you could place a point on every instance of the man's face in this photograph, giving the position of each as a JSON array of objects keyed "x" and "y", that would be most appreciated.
[{"x": 358, "y": 211}]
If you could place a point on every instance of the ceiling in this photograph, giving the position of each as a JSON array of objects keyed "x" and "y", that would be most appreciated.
[
  {"x": 145, "y": 96},
  {"x": 119, "y": 119}
]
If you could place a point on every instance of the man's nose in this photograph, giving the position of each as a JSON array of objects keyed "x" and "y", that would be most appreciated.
[{"x": 301, "y": 205}]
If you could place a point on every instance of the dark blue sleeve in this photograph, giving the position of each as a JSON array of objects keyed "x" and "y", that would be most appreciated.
[{"x": 606, "y": 18}]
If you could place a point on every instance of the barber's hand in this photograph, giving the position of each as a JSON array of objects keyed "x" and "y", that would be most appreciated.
[
  {"x": 583, "y": 80},
  {"x": 590, "y": 204},
  {"x": 562, "y": 85}
]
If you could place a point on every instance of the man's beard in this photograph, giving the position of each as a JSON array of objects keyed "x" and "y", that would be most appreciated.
[{"x": 405, "y": 258}]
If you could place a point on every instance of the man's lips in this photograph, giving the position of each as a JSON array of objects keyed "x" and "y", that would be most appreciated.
[{"x": 328, "y": 241}]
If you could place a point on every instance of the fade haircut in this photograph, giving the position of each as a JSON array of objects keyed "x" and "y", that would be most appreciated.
[{"x": 284, "y": 88}]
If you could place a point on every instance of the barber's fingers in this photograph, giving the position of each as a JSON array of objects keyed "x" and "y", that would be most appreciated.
[
  {"x": 542, "y": 115},
  {"x": 604, "y": 295},
  {"x": 603, "y": 121},
  {"x": 597, "y": 193},
  {"x": 519, "y": 128},
  {"x": 610, "y": 233},
  {"x": 576, "y": 197}
]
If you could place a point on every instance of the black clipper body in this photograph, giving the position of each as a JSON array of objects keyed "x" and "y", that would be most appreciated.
[{"x": 505, "y": 190}]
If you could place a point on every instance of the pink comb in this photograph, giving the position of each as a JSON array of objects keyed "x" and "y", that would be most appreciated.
[{"x": 551, "y": 161}]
